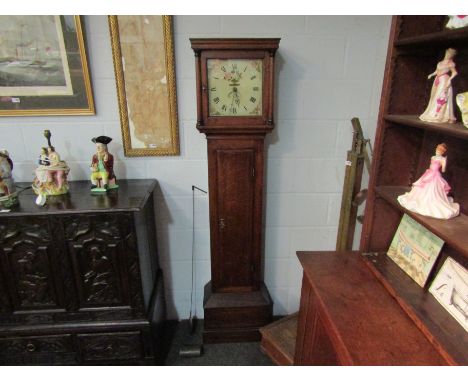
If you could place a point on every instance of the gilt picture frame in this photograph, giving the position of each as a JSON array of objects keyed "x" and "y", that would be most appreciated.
[
  {"x": 43, "y": 66},
  {"x": 143, "y": 55}
]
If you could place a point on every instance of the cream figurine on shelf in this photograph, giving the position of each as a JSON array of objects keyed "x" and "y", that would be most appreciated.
[
  {"x": 456, "y": 22},
  {"x": 462, "y": 102},
  {"x": 8, "y": 194},
  {"x": 51, "y": 174},
  {"x": 428, "y": 196},
  {"x": 440, "y": 107}
]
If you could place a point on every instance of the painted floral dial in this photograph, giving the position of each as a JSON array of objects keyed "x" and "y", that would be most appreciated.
[{"x": 235, "y": 87}]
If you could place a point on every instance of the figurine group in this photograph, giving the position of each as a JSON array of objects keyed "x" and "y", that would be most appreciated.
[
  {"x": 8, "y": 194},
  {"x": 52, "y": 172},
  {"x": 429, "y": 194}
]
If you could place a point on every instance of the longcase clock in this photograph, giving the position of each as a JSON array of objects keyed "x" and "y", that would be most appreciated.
[{"x": 235, "y": 102}]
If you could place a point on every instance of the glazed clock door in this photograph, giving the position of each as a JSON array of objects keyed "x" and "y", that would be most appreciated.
[
  {"x": 235, "y": 87},
  {"x": 235, "y": 90}
]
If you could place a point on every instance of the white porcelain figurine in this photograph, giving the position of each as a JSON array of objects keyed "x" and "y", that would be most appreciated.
[
  {"x": 440, "y": 107},
  {"x": 462, "y": 102},
  {"x": 428, "y": 196},
  {"x": 456, "y": 22}
]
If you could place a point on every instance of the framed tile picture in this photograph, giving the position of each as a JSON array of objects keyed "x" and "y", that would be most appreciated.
[
  {"x": 143, "y": 54},
  {"x": 43, "y": 67}
]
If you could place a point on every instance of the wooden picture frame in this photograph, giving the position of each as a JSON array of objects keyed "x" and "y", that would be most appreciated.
[
  {"x": 43, "y": 67},
  {"x": 143, "y": 54}
]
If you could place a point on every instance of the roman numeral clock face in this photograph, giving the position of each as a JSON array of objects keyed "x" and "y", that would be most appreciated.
[{"x": 235, "y": 87}]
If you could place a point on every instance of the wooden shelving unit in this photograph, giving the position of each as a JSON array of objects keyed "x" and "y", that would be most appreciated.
[
  {"x": 439, "y": 38},
  {"x": 454, "y": 231},
  {"x": 445, "y": 333},
  {"x": 402, "y": 151},
  {"x": 457, "y": 130}
]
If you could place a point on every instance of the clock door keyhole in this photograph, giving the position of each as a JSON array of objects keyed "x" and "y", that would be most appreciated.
[{"x": 222, "y": 224}]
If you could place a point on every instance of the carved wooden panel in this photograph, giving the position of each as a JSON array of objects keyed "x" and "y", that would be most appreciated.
[
  {"x": 96, "y": 246},
  {"x": 5, "y": 305},
  {"x": 33, "y": 345},
  {"x": 28, "y": 264},
  {"x": 111, "y": 346}
]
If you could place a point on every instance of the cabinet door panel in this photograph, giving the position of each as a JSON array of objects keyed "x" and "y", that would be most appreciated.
[
  {"x": 97, "y": 247},
  {"x": 98, "y": 273},
  {"x": 235, "y": 187},
  {"x": 322, "y": 352},
  {"x": 28, "y": 266}
]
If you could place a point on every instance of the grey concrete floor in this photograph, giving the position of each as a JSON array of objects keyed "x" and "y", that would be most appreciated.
[{"x": 229, "y": 354}]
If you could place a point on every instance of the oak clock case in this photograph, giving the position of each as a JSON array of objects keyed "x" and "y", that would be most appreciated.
[{"x": 235, "y": 82}]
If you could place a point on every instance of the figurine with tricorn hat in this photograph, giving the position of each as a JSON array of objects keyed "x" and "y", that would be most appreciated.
[{"x": 102, "y": 166}]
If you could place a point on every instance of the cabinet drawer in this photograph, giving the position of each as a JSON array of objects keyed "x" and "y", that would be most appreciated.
[
  {"x": 35, "y": 345},
  {"x": 111, "y": 346}
]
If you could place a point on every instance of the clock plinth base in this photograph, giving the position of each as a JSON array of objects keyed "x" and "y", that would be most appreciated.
[{"x": 236, "y": 317}]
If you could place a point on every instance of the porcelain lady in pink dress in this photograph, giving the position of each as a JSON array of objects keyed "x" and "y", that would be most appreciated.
[
  {"x": 428, "y": 196},
  {"x": 440, "y": 107}
]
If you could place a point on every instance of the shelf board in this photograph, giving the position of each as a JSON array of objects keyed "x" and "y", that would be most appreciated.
[
  {"x": 455, "y": 129},
  {"x": 445, "y": 38},
  {"x": 453, "y": 231},
  {"x": 441, "y": 329}
]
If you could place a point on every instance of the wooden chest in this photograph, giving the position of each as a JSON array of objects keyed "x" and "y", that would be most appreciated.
[{"x": 79, "y": 278}]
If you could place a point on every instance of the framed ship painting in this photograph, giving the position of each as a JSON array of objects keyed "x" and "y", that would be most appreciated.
[
  {"x": 43, "y": 67},
  {"x": 143, "y": 53}
]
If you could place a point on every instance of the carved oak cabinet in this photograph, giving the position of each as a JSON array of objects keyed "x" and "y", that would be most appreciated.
[{"x": 79, "y": 278}]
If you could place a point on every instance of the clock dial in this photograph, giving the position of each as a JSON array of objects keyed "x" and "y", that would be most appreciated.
[{"x": 235, "y": 87}]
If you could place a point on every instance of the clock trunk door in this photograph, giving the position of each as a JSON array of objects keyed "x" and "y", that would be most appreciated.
[{"x": 233, "y": 220}]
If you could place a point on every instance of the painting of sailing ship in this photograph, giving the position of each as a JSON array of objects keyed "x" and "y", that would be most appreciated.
[
  {"x": 450, "y": 288},
  {"x": 43, "y": 66},
  {"x": 33, "y": 59}
]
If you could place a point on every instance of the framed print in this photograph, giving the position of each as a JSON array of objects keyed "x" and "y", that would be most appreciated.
[
  {"x": 415, "y": 249},
  {"x": 143, "y": 55},
  {"x": 450, "y": 288},
  {"x": 43, "y": 67}
]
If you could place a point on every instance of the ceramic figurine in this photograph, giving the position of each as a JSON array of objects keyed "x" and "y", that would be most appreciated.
[
  {"x": 456, "y": 22},
  {"x": 102, "y": 166},
  {"x": 8, "y": 194},
  {"x": 462, "y": 102},
  {"x": 428, "y": 196},
  {"x": 52, "y": 172},
  {"x": 440, "y": 107}
]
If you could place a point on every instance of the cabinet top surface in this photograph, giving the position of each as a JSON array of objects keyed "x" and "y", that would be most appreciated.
[
  {"x": 369, "y": 323},
  {"x": 131, "y": 195}
]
